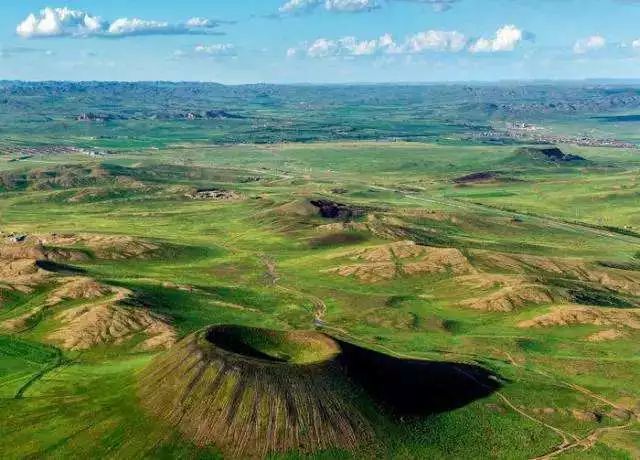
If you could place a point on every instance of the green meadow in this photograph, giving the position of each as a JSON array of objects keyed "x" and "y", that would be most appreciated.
[{"x": 529, "y": 240}]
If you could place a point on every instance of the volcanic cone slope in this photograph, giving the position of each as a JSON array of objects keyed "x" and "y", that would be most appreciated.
[{"x": 254, "y": 391}]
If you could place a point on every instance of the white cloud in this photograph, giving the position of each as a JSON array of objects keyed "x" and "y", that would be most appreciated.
[
  {"x": 218, "y": 49},
  {"x": 636, "y": 44},
  {"x": 435, "y": 40},
  {"x": 348, "y": 6},
  {"x": 65, "y": 22},
  {"x": 214, "y": 51},
  {"x": 347, "y": 46},
  {"x": 506, "y": 39},
  {"x": 201, "y": 22},
  {"x": 437, "y": 5},
  {"x": 355, "y": 6},
  {"x": 55, "y": 22},
  {"x": 592, "y": 43},
  {"x": 429, "y": 41},
  {"x": 294, "y": 6},
  {"x": 351, "y": 5}
]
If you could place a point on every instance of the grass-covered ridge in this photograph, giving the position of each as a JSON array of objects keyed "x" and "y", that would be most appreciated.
[{"x": 278, "y": 346}]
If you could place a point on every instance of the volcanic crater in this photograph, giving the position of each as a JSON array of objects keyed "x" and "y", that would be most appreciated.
[{"x": 252, "y": 392}]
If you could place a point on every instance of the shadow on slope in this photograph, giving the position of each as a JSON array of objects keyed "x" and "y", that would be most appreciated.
[{"x": 408, "y": 387}]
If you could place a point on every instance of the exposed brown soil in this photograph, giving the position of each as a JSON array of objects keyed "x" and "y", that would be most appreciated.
[
  {"x": 607, "y": 335},
  {"x": 108, "y": 321},
  {"x": 597, "y": 316},
  {"x": 586, "y": 416},
  {"x": 615, "y": 279},
  {"x": 33, "y": 260},
  {"x": 389, "y": 261},
  {"x": 369, "y": 273},
  {"x": 342, "y": 226},
  {"x": 298, "y": 210},
  {"x": 78, "y": 288},
  {"x": 22, "y": 274},
  {"x": 21, "y": 322},
  {"x": 32, "y": 249},
  {"x": 113, "y": 247},
  {"x": 111, "y": 322},
  {"x": 509, "y": 293},
  {"x": 213, "y": 194}
]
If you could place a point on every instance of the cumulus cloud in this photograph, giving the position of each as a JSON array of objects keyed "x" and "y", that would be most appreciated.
[
  {"x": 340, "y": 6},
  {"x": 349, "y": 6},
  {"x": 438, "y": 41},
  {"x": 588, "y": 44},
  {"x": 65, "y": 22},
  {"x": 53, "y": 22},
  {"x": 347, "y": 46},
  {"x": 355, "y": 6},
  {"x": 218, "y": 49},
  {"x": 296, "y": 6},
  {"x": 437, "y": 5},
  {"x": 214, "y": 51},
  {"x": 431, "y": 40},
  {"x": 506, "y": 39},
  {"x": 435, "y": 40}
]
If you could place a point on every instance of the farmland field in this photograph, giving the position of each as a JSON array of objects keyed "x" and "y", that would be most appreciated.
[{"x": 265, "y": 283}]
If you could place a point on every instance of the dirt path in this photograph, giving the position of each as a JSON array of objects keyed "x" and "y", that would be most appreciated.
[
  {"x": 58, "y": 362},
  {"x": 586, "y": 443},
  {"x": 319, "y": 307},
  {"x": 589, "y": 441}
]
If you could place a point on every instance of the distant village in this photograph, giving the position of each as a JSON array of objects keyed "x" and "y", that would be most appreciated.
[{"x": 538, "y": 135}]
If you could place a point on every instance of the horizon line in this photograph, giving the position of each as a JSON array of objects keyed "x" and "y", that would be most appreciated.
[{"x": 633, "y": 80}]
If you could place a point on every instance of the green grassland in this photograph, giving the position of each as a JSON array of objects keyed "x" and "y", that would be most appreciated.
[{"x": 261, "y": 261}]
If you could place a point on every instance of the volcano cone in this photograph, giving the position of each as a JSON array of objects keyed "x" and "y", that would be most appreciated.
[{"x": 255, "y": 391}]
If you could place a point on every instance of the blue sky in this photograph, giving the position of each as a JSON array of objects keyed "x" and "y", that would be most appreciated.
[{"x": 284, "y": 41}]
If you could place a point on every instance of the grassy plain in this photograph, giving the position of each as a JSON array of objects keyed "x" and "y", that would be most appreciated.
[{"x": 269, "y": 260}]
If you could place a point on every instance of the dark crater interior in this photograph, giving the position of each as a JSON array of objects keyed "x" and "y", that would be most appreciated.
[{"x": 414, "y": 387}]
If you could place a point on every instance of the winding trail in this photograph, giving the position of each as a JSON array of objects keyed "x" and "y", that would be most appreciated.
[
  {"x": 319, "y": 306},
  {"x": 588, "y": 441},
  {"x": 57, "y": 362}
]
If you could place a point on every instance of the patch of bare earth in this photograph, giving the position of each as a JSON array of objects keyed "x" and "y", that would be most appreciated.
[
  {"x": 393, "y": 260},
  {"x": 509, "y": 292},
  {"x": 579, "y": 315},
  {"x": 112, "y": 247},
  {"x": 70, "y": 289},
  {"x": 111, "y": 322},
  {"x": 21, "y": 322},
  {"x": 78, "y": 288},
  {"x": 18, "y": 266},
  {"x": 102, "y": 321},
  {"x": 611, "y": 278},
  {"x": 214, "y": 194},
  {"x": 342, "y": 226},
  {"x": 605, "y": 336}
]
